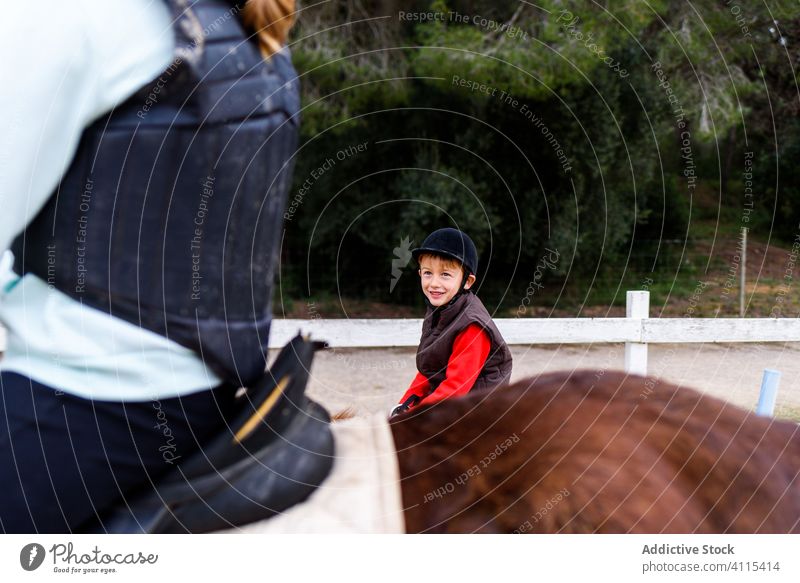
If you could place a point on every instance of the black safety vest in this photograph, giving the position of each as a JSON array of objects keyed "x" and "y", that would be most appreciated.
[
  {"x": 169, "y": 216},
  {"x": 440, "y": 328}
]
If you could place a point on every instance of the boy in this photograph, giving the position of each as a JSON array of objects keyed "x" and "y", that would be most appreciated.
[{"x": 460, "y": 348}]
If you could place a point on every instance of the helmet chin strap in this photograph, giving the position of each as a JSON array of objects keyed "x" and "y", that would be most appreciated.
[{"x": 463, "y": 289}]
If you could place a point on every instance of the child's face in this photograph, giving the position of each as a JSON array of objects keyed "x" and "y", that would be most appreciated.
[{"x": 441, "y": 279}]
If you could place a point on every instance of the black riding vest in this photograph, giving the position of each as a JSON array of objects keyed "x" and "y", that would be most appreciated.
[
  {"x": 439, "y": 331},
  {"x": 170, "y": 213}
]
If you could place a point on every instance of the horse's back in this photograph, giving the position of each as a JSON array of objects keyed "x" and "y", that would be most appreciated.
[{"x": 596, "y": 451}]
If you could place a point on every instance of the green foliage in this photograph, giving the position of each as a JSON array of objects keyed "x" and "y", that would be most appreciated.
[{"x": 533, "y": 127}]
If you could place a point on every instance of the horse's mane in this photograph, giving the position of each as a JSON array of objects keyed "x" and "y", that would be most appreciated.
[
  {"x": 346, "y": 413},
  {"x": 595, "y": 451}
]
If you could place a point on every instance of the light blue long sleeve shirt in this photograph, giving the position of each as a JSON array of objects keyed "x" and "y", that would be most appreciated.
[{"x": 61, "y": 72}]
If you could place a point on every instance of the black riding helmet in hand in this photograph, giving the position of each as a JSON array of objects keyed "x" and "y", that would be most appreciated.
[{"x": 453, "y": 244}]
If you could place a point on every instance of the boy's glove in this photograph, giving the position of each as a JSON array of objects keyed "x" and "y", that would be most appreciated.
[
  {"x": 405, "y": 406},
  {"x": 401, "y": 408}
]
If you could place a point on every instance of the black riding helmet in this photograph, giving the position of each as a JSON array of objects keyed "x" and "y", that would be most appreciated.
[{"x": 454, "y": 244}]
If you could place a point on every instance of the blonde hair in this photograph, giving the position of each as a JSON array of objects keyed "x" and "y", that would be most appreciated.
[{"x": 271, "y": 21}]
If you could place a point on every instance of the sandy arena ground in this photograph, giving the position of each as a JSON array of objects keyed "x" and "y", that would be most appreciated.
[{"x": 372, "y": 380}]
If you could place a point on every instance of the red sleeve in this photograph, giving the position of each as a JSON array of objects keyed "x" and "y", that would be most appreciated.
[
  {"x": 419, "y": 387},
  {"x": 470, "y": 350}
]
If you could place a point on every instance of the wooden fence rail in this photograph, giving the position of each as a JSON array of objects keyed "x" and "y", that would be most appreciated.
[{"x": 637, "y": 330}]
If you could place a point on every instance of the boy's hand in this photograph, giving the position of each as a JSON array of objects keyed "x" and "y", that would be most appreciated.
[
  {"x": 401, "y": 408},
  {"x": 404, "y": 406}
]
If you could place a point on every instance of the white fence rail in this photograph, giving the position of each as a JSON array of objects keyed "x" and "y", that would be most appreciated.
[
  {"x": 636, "y": 331},
  {"x": 355, "y": 333}
]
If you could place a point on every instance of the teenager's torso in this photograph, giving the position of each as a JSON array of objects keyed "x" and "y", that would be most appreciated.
[{"x": 89, "y": 57}]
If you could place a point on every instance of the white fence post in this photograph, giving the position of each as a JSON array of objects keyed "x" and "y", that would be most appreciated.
[
  {"x": 769, "y": 393},
  {"x": 638, "y": 308}
]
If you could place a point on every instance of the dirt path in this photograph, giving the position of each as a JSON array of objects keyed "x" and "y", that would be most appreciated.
[{"x": 371, "y": 380}]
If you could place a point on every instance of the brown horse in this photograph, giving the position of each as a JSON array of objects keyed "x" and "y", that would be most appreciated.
[
  {"x": 596, "y": 452},
  {"x": 572, "y": 452}
]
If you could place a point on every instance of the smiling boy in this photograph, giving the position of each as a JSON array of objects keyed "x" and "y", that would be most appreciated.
[{"x": 460, "y": 348}]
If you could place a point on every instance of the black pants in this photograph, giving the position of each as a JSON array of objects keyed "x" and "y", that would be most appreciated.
[{"x": 64, "y": 459}]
